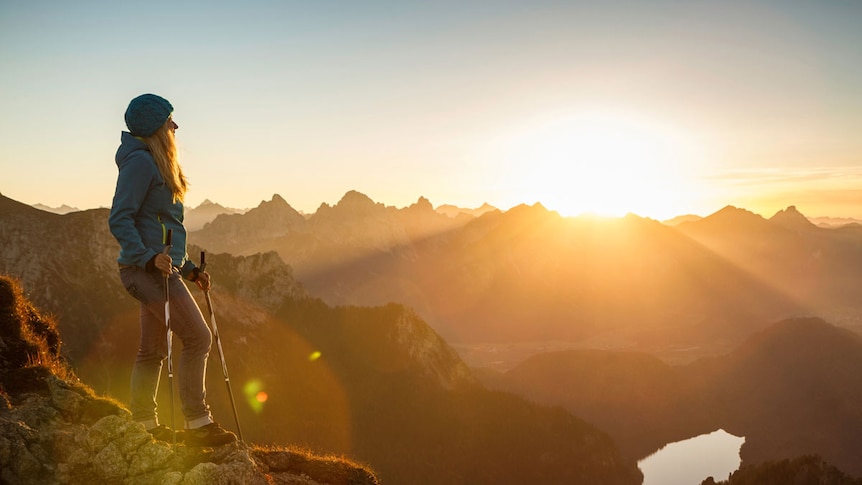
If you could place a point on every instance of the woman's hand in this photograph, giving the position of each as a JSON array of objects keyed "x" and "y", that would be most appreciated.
[
  {"x": 163, "y": 263},
  {"x": 203, "y": 281}
]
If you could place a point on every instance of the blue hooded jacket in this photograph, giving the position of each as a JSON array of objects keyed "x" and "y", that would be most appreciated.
[{"x": 143, "y": 209}]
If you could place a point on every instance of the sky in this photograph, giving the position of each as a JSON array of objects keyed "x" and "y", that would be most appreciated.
[{"x": 660, "y": 108}]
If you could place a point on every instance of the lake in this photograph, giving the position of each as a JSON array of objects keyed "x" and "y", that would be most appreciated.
[{"x": 690, "y": 461}]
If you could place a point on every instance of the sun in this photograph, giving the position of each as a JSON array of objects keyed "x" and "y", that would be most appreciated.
[{"x": 601, "y": 163}]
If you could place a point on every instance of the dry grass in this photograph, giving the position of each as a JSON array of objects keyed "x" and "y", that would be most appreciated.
[
  {"x": 30, "y": 337},
  {"x": 332, "y": 469}
]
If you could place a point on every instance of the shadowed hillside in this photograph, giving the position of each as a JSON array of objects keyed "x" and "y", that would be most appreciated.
[
  {"x": 790, "y": 390},
  {"x": 62, "y": 258},
  {"x": 641, "y": 401},
  {"x": 793, "y": 389},
  {"x": 434, "y": 425},
  {"x": 805, "y": 470}
]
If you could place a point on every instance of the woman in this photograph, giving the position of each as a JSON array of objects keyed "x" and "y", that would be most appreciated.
[{"x": 148, "y": 202}]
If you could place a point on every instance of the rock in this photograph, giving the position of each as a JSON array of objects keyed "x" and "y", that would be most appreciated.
[
  {"x": 152, "y": 456},
  {"x": 109, "y": 463}
]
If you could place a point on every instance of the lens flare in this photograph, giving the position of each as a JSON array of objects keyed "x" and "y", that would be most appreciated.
[
  {"x": 314, "y": 356},
  {"x": 253, "y": 391}
]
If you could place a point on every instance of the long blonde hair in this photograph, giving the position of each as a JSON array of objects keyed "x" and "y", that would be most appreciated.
[{"x": 163, "y": 147}]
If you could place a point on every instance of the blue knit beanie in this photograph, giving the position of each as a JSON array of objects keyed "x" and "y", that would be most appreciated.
[{"x": 147, "y": 113}]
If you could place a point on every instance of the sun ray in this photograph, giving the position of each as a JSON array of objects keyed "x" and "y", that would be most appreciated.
[{"x": 601, "y": 164}]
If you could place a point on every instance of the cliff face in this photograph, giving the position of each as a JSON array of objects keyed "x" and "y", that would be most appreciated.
[
  {"x": 435, "y": 358},
  {"x": 53, "y": 429}
]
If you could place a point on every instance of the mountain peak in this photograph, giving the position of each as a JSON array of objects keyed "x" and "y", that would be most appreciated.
[
  {"x": 790, "y": 218},
  {"x": 455, "y": 211},
  {"x": 354, "y": 203},
  {"x": 423, "y": 203},
  {"x": 733, "y": 211},
  {"x": 354, "y": 198},
  {"x": 278, "y": 200},
  {"x": 276, "y": 204},
  {"x": 63, "y": 209},
  {"x": 732, "y": 219},
  {"x": 535, "y": 210}
]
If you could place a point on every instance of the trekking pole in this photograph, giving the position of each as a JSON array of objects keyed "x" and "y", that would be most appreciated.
[
  {"x": 167, "y": 250},
  {"x": 218, "y": 346}
]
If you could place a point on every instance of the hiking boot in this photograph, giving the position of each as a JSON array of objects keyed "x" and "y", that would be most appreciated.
[
  {"x": 163, "y": 433},
  {"x": 209, "y": 435}
]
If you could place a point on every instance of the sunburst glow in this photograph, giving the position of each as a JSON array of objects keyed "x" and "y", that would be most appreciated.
[{"x": 602, "y": 164}]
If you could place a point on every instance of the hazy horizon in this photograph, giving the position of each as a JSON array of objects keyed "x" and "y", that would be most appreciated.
[
  {"x": 437, "y": 205},
  {"x": 659, "y": 109}
]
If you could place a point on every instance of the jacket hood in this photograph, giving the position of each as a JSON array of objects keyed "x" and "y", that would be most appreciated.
[{"x": 128, "y": 144}]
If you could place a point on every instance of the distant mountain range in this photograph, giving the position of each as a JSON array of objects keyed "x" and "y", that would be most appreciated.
[
  {"x": 529, "y": 274},
  {"x": 63, "y": 209},
  {"x": 197, "y": 217}
]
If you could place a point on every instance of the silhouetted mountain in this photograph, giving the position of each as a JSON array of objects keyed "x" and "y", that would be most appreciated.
[
  {"x": 681, "y": 219},
  {"x": 207, "y": 211},
  {"x": 455, "y": 211},
  {"x": 63, "y": 209},
  {"x": 247, "y": 233},
  {"x": 829, "y": 222},
  {"x": 526, "y": 274},
  {"x": 375, "y": 383},
  {"x": 817, "y": 267},
  {"x": 790, "y": 390},
  {"x": 792, "y": 219},
  {"x": 733, "y": 220}
]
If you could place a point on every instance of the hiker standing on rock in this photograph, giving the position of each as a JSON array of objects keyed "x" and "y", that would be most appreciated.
[{"x": 148, "y": 205}]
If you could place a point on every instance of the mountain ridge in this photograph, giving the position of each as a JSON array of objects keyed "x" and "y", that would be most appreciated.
[{"x": 463, "y": 274}]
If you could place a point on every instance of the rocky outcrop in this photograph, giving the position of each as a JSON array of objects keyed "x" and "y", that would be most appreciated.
[{"x": 53, "y": 429}]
